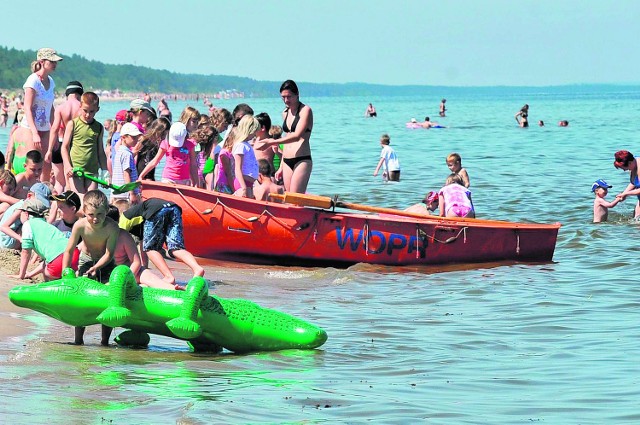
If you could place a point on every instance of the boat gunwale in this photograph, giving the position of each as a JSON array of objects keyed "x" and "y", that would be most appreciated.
[{"x": 430, "y": 220}]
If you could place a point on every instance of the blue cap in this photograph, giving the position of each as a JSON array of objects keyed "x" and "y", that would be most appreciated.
[{"x": 600, "y": 183}]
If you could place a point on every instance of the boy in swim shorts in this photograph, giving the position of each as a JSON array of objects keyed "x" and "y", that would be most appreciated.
[
  {"x": 99, "y": 236},
  {"x": 157, "y": 222},
  {"x": 389, "y": 160}
]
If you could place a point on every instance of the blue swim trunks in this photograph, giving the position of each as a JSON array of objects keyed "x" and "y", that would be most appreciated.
[{"x": 164, "y": 226}]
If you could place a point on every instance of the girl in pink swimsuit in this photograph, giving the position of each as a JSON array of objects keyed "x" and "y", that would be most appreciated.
[{"x": 455, "y": 199}]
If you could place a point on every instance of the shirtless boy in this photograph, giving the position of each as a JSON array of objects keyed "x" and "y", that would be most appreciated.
[
  {"x": 64, "y": 113},
  {"x": 99, "y": 236},
  {"x": 33, "y": 164},
  {"x": 265, "y": 184},
  {"x": 127, "y": 254},
  {"x": 600, "y": 205}
]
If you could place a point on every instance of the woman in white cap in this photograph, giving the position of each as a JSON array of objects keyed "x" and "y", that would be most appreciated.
[{"x": 38, "y": 102}]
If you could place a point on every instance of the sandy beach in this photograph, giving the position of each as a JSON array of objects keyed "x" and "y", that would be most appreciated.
[{"x": 10, "y": 325}]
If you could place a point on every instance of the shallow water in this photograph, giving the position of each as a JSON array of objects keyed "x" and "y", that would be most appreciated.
[{"x": 492, "y": 343}]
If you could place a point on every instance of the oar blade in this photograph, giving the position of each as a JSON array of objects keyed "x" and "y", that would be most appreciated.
[{"x": 127, "y": 187}]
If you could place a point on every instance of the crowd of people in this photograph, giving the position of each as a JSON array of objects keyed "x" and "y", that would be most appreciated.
[{"x": 48, "y": 207}]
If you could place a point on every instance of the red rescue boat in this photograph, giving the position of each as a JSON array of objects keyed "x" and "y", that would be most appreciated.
[{"x": 223, "y": 226}]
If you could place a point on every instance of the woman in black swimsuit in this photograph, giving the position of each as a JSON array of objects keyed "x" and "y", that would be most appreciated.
[
  {"x": 521, "y": 116},
  {"x": 296, "y": 164}
]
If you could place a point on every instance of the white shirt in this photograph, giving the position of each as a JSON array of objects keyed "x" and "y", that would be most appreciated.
[{"x": 42, "y": 102}]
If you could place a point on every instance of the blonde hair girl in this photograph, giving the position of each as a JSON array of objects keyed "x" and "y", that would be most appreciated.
[{"x": 246, "y": 165}]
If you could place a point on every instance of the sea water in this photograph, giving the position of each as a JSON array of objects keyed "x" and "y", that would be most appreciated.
[{"x": 490, "y": 343}]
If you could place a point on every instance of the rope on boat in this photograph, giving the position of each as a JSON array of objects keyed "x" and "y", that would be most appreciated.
[
  {"x": 191, "y": 205},
  {"x": 277, "y": 220},
  {"x": 462, "y": 231},
  {"x": 366, "y": 237},
  {"x": 229, "y": 210}
]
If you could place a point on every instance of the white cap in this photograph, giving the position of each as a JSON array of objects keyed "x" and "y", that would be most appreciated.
[
  {"x": 177, "y": 134},
  {"x": 130, "y": 130}
]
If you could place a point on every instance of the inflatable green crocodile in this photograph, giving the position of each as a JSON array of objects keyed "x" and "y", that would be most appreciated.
[{"x": 207, "y": 322}]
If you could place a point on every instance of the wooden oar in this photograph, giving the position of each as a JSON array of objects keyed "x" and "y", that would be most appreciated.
[
  {"x": 117, "y": 189},
  {"x": 325, "y": 202}
]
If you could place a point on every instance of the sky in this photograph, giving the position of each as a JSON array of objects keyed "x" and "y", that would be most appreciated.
[{"x": 444, "y": 42}]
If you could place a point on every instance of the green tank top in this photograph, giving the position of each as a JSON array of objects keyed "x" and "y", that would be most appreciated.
[{"x": 84, "y": 145}]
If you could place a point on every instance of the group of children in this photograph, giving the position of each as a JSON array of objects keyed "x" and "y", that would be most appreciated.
[
  {"x": 214, "y": 152},
  {"x": 452, "y": 200}
]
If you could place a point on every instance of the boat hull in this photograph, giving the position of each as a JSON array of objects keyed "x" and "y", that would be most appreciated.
[{"x": 223, "y": 226}]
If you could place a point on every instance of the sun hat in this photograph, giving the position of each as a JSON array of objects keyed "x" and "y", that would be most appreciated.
[
  {"x": 47, "y": 53},
  {"x": 42, "y": 192},
  {"x": 69, "y": 197},
  {"x": 414, "y": 120},
  {"x": 138, "y": 104},
  {"x": 600, "y": 183},
  {"x": 177, "y": 134},
  {"x": 121, "y": 115},
  {"x": 129, "y": 129},
  {"x": 34, "y": 206}
]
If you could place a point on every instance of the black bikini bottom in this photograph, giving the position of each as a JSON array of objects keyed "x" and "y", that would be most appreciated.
[{"x": 292, "y": 162}]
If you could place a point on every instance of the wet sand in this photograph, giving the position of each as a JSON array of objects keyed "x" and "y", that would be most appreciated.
[{"x": 10, "y": 325}]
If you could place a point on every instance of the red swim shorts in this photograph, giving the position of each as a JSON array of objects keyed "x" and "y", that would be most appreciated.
[{"x": 54, "y": 268}]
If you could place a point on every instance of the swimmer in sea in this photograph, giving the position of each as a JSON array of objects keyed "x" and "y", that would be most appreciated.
[
  {"x": 521, "y": 116},
  {"x": 430, "y": 124},
  {"x": 371, "y": 111},
  {"x": 563, "y": 123},
  {"x": 443, "y": 108}
]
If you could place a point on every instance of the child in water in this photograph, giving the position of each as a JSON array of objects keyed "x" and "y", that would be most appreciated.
[
  {"x": 600, "y": 205},
  {"x": 389, "y": 160},
  {"x": 454, "y": 162}
]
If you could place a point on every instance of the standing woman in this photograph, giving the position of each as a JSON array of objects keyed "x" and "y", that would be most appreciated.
[
  {"x": 625, "y": 160},
  {"x": 296, "y": 165},
  {"x": 522, "y": 116},
  {"x": 38, "y": 102}
]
